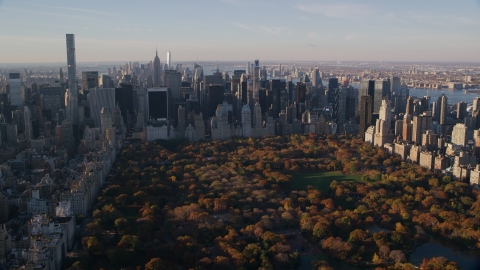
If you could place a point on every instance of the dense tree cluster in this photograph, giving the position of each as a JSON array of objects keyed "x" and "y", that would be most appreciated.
[{"x": 229, "y": 205}]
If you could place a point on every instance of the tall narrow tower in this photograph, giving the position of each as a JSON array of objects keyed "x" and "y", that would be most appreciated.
[
  {"x": 169, "y": 59},
  {"x": 157, "y": 71},
  {"x": 60, "y": 75},
  {"x": 72, "y": 106},
  {"x": 256, "y": 80},
  {"x": 443, "y": 109}
]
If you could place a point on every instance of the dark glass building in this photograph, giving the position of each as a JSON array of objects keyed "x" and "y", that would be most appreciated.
[
  {"x": 365, "y": 109},
  {"x": 159, "y": 104}
]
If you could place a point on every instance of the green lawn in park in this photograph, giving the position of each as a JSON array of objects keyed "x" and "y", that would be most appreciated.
[{"x": 320, "y": 180}]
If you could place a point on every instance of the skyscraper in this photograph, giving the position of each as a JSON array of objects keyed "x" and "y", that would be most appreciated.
[
  {"x": 382, "y": 89},
  {"x": 106, "y": 119},
  {"x": 421, "y": 124},
  {"x": 382, "y": 127},
  {"x": 157, "y": 71},
  {"x": 395, "y": 85},
  {"x": 461, "y": 110},
  {"x": 169, "y": 59},
  {"x": 160, "y": 104},
  {"x": 365, "y": 114},
  {"x": 409, "y": 106},
  {"x": 215, "y": 97},
  {"x": 459, "y": 134},
  {"x": 99, "y": 98},
  {"x": 339, "y": 108},
  {"x": 256, "y": 79},
  {"x": 443, "y": 109},
  {"x": 173, "y": 80},
  {"x": 72, "y": 81},
  {"x": 89, "y": 79},
  {"x": 332, "y": 85},
  {"x": 316, "y": 80},
  {"x": 476, "y": 104},
  {"x": 105, "y": 81},
  {"x": 277, "y": 88},
  {"x": 124, "y": 100},
  {"x": 367, "y": 88},
  {"x": 181, "y": 120},
  {"x": 300, "y": 92},
  {"x": 407, "y": 127},
  {"x": 15, "y": 82},
  {"x": 60, "y": 76},
  {"x": 28, "y": 123}
]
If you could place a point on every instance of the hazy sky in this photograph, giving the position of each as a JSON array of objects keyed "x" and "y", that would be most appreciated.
[{"x": 107, "y": 30}]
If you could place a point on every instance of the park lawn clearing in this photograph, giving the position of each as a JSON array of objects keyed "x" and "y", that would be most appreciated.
[{"x": 321, "y": 180}]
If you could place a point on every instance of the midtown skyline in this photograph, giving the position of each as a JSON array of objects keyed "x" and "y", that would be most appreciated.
[{"x": 231, "y": 30}]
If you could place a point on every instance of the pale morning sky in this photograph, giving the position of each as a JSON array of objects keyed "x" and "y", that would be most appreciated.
[{"x": 367, "y": 30}]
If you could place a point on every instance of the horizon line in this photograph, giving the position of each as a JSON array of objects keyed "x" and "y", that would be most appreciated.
[{"x": 273, "y": 61}]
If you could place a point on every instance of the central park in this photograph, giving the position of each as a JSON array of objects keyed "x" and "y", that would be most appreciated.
[{"x": 286, "y": 202}]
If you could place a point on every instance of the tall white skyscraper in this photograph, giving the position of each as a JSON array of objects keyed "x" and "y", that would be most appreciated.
[
  {"x": 72, "y": 80},
  {"x": 15, "y": 82},
  {"x": 382, "y": 127},
  {"x": 169, "y": 59}
]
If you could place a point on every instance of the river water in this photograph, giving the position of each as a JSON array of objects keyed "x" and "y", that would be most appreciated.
[
  {"x": 465, "y": 258},
  {"x": 453, "y": 96}
]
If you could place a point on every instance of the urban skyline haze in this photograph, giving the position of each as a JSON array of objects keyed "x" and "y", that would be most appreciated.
[{"x": 34, "y": 32}]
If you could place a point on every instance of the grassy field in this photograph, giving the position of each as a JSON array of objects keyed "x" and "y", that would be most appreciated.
[{"x": 320, "y": 180}]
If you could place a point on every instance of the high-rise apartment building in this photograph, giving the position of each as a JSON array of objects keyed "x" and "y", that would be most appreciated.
[
  {"x": 421, "y": 123},
  {"x": 459, "y": 134},
  {"x": 72, "y": 104}
]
